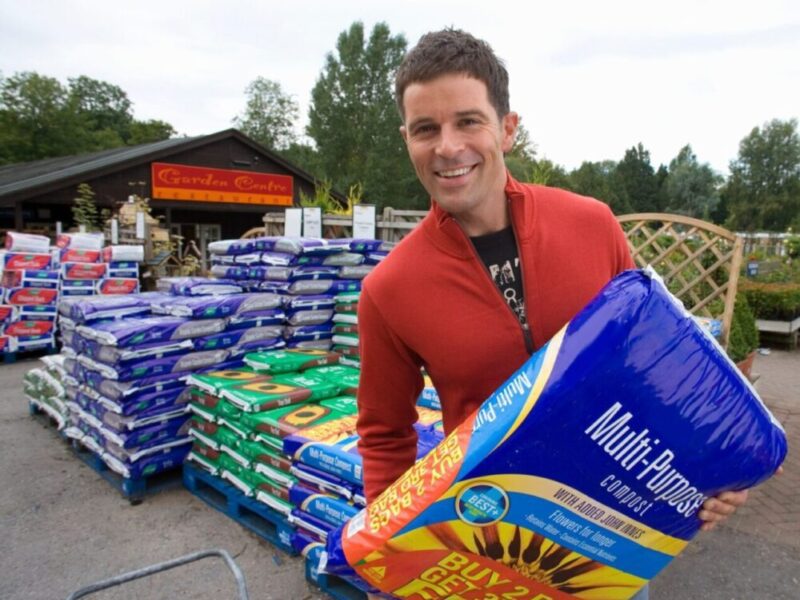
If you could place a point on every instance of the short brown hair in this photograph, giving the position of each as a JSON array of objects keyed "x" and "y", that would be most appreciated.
[{"x": 452, "y": 51}]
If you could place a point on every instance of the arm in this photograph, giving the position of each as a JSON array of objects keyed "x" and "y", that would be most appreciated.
[{"x": 387, "y": 392}]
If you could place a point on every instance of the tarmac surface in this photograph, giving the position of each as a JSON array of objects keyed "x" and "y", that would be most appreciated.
[{"x": 63, "y": 527}]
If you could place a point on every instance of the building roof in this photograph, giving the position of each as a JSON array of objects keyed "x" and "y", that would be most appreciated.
[{"x": 24, "y": 180}]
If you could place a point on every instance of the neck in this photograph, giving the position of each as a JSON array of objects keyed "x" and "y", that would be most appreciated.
[{"x": 494, "y": 218}]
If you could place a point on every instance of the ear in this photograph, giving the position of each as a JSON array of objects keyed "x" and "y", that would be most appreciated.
[{"x": 509, "y": 126}]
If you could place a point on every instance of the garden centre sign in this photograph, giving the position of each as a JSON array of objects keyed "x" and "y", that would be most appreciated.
[{"x": 202, "y": 184}]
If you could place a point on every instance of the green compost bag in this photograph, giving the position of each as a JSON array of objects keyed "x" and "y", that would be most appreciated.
[
  {"x": 290, "y": 360},
  {"x": 204, "y": 457},
  {"x": 213, "y": 382},
  {"x": 281, "y": 390},
  {"x": 344, "y": 377},
  {"x": 288, "y": 420}
]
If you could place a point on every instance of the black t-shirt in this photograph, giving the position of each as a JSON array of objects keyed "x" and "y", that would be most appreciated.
[{"x": 498, "y": 251}]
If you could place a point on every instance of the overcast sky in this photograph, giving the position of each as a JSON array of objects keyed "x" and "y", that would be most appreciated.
[{"x": 589, "y": 78}]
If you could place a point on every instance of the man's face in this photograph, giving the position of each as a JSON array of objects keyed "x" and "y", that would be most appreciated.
[{"x": 456, "y": 142}]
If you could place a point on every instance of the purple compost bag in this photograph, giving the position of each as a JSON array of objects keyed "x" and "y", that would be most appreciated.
[
  {"x": 309, "y": 317},
  {"x": 308, "y": 246},
  {"x": 198, "y": 286},
  {"x": 324, "y": 286},
  {"x": 253, "y": 258},
  {"x": 314, "y": 272},
  {"x": 344, "y": 259},
  {"x": 580, "y": 476},
  {"x": 134, "y": 332},
  {"x": 258, "y": 318},
  {"x": 127, "y": 391},
  {"x": 229, "y": 272},
  {"x": 304, "y": 333},
  {"x": 232, "y": 247},
  {"x": 277, "y": 259},
  {"x": 212, "y": 307},
  {"x": 269, "y": 273},
  {"x": 239, "y": 337},
  {"x": 113, "y": 355},
  {"x": 310, "y": 523},
  {"x": 165, "y": 460},
  {"x": 154, "y": 367},
  {"x": 311, "y": 302}
]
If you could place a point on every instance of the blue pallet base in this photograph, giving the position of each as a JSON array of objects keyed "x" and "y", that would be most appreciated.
[
  {"x": 249, "y": 513},
  {"x": 335, "y": 587},
  {"x": 134, "y": 490},
  {"x": 10, "y": 358}
]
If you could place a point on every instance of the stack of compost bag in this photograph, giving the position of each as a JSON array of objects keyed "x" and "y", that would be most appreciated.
[
  {"x": 90, "y": 268},
  {"x": 44, "y": 387},
  {"x": 267, "y": 429},
  {"x": 30, "y": 290},
  {"x": 129, "y": 357},
  {"x": 310, "y": 273}
]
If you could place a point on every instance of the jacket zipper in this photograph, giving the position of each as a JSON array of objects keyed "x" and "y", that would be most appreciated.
[{"x": 526, "y": 330}]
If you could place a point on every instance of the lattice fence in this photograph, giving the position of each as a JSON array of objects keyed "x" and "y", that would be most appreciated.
[{"x": 698, "y": 261}]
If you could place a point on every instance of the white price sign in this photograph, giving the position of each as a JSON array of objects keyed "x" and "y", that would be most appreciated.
[
  {"x": 364, "y": 221},
  {"x": 293, "y": 222},
  {"x": 312, "y": 222}
]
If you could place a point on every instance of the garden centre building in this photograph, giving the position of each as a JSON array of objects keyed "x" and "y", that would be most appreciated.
[{"x": 205, "y": 188}]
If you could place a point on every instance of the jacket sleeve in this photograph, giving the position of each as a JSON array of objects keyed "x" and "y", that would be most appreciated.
[{"x": 387, "y": 392}]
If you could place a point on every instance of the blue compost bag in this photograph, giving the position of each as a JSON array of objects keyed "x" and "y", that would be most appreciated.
[{"x": 582, "y": 475}]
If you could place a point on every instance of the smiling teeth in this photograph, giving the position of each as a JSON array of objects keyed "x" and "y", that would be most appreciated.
[{"x": 455, "y": 172}]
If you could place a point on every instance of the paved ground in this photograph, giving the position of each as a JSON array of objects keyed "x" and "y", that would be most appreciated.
[{"x": 63, "y": 527}]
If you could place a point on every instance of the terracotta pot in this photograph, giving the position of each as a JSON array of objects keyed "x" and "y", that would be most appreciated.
[{"x": 746, "y": 365}]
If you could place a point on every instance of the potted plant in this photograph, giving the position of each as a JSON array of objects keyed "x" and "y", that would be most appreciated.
[{"x": 743, "y": 339}]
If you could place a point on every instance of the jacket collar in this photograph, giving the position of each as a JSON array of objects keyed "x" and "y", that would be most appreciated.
[{"x": 445, "y": 232}]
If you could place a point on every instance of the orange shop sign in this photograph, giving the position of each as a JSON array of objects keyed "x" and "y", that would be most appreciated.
[{"x": 202, "y": 184}]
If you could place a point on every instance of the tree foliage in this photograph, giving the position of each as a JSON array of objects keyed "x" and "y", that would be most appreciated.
[
  {"x": 354, "y": 122},
  {"x": 270, "y": 114},
  {"x": 691, "y": 188},
  {"x": 42, "y": 118},
  {"x": 636, "y": 181},
  {"x": 763, "y": 191}
]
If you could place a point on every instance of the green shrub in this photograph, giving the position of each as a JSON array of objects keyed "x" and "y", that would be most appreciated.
[
  {"x": 774, "y": 301},
  {"x": 743, "y": 338}
]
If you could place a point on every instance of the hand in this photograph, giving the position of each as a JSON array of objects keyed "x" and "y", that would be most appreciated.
[{"x": 717, "y": 509}]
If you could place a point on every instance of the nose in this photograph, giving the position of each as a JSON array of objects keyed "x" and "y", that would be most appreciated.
[{"x": 450, "y": 142}]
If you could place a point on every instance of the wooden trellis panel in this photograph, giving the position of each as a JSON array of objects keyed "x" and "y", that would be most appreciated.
[{"x": 698, "y": 261}]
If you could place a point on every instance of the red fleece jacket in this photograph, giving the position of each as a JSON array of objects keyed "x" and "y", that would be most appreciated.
[{"x": 432, "y": 303}]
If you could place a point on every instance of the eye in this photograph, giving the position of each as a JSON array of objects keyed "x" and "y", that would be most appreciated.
[
  {"x": 425, "y": 129},
  {"x": 469, "y": 121}
]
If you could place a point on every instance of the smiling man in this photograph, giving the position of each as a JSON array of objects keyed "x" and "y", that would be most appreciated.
[{"x": 493, "y": 271}]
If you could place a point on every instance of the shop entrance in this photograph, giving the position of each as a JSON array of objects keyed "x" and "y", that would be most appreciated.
[{"x": 198, "y": 234}]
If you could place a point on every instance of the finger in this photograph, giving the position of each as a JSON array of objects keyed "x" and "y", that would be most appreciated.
[
  {"x": 708, "y": 526},
  {"x": 710, "y": 516},
  {"x": 718, "y": 507},
  {"x": 733, "y": 498}
]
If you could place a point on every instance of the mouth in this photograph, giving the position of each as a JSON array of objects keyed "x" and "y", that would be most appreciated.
[{"x": 453, "y": 173}]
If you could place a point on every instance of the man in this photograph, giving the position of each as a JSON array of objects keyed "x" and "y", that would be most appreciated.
[{"x": 492, "y": 272}]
